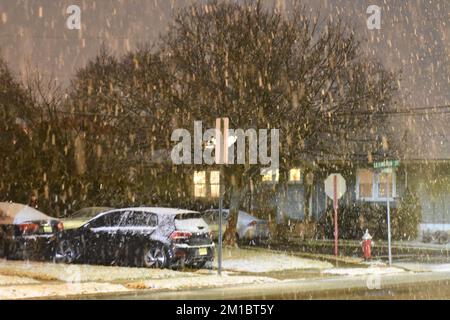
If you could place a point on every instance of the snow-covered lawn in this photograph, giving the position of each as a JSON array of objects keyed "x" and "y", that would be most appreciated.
[
  {"x": 14, "y": 280},
  {"x": 58, "y": 290},
  {"x": 260, "y": 260},
  {"x": 83, "y": 273}
]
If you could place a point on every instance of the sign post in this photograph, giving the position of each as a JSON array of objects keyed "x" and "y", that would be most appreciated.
[
  {"x": 335, "y": 187},
  {"x": 388, "y": 208},
  {"x": 387, "y": 167}
]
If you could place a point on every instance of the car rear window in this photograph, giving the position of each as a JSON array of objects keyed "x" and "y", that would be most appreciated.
[
  {"x": 141, "y": 219},
  {"x": 189, "y": 215}
]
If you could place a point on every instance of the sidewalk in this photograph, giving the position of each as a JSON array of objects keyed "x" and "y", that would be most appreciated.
[{"x": 352, "y": 248}]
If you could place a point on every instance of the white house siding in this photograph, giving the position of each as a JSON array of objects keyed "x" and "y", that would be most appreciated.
[{"x": 435, "y": 202}]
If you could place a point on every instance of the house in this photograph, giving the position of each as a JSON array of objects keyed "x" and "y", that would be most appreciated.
[{"x": 420, "y": 144}]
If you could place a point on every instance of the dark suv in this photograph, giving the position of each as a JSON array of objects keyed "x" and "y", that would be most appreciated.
[{"x": 144, "y": 236}]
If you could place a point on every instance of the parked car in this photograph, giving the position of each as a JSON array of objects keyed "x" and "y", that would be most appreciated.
[
  {"x": 80, "y": 217},
  {"x": 248, "y": 228},
  {"x": 145, "y": 236},
  {"x": 212, "y": 219},
  {"x": 26, "y": 233},
  {"x": 439, "y": 236}
]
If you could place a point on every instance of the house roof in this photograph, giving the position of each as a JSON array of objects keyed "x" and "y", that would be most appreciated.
[{"x": 424, "y": 137}]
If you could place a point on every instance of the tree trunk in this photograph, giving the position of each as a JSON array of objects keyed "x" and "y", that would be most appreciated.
[{"x": 237, "y": 191}]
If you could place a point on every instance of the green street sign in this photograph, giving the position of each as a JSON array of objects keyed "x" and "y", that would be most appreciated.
[{"x": 386, "y": 164}]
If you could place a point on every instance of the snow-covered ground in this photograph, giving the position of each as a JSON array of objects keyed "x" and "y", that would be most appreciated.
[
  {"x": 83, "y": 273},
  {"x": 260, "y": 261},
  {"x": 58, "y": 290},
  {"x": 22, "y": 279},
  {"x": 14, "y": 280}
]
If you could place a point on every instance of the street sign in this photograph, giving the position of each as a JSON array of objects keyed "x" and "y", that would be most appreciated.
[
  {"x": 335, "y": 187},
  {"x": 341, "y": 186},
  {"x": 386, "y": 164}
]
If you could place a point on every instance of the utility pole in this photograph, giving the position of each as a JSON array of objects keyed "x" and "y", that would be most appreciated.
[{"x": 221, "y": 153}]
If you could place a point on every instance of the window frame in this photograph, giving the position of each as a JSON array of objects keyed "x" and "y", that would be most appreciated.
[
  {"x": 375, "y": 190},
  {"x": 274, "y": 173},
  {"x": 300, "y": 176},
  {"x": 204, "y": 184},
  {"x": 208, "y": 186}
]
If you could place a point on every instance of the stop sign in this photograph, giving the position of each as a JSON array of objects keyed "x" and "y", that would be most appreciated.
[{"x": 340, "y": 185}]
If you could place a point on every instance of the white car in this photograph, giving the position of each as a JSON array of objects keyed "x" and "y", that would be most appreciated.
[{"x": 248, "y": 227}]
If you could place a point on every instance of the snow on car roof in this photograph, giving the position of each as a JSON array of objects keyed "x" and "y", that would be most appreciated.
[
  {"x": 163, "y": 210},
  {"x": 157, "y": 210},
  {"x": 16, "y": 213}
]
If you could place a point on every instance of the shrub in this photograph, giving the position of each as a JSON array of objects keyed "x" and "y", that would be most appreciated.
[
  {"x": 353, "y": 220},
  {"x": 356, "y": 218},
  {"x": 405, "y": 223}
]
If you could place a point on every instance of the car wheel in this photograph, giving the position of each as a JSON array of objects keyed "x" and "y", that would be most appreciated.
[
  {"x": 2, "y": 248},
  {"x": 206, "y": 264},
  {"x": 238, "y": 241},
  {"x": 65, "y": 252},
  {"x": 11, "y": 250},
  {"x": 155, "y": 257}
]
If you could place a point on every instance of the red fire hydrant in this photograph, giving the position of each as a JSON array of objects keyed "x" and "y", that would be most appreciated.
[{"x": 367, "y": 245}]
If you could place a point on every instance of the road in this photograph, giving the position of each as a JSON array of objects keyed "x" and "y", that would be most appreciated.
[{"x": 427, "y": 285}]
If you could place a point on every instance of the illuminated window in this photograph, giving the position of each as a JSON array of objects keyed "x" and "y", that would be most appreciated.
[
  {"x": 372, "y": 186},
  {"x": 365, "y": 183},
  {"x": 214, "y": 180},
  {"x": 294, "y": 175},
  {"x": 385, "y": 182},
  {"x": 206, "y": 184},
  {"x": 200, "y": 184},
  {"x": 270, "y": 175}
]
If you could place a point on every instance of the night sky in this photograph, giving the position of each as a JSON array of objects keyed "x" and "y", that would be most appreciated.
[{"x": 414, "y": 36}]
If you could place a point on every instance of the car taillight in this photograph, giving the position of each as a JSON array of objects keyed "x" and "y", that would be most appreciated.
[
  {"x": 28, "y": 227},
  {"x": 252, "y": 224},
  {"x": 60, "y": 226},
  {"x": 180, "y": 235}
]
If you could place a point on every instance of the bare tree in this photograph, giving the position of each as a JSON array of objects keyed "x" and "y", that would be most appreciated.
[{"x": 296, "y": 72}]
